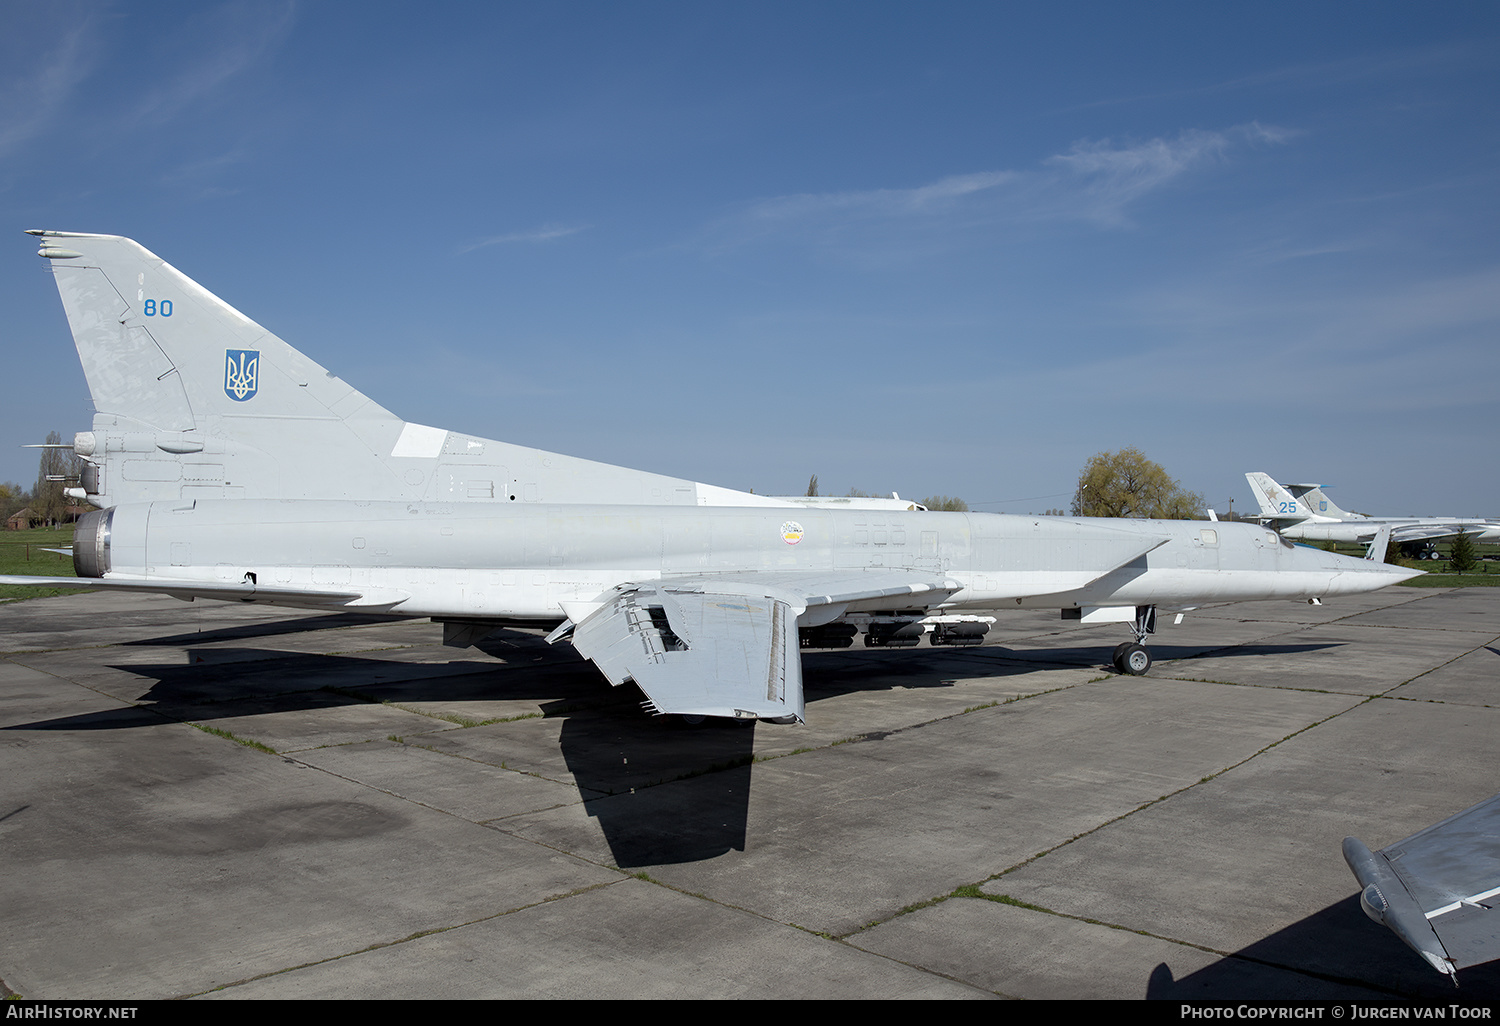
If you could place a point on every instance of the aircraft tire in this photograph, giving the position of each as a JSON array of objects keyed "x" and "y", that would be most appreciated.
[{"x": 1134, "y": 661}]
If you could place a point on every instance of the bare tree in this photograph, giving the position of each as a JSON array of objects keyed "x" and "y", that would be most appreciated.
[{"x": 59, "y": 466}]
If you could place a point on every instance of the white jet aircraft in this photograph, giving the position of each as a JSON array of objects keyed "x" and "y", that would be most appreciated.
[
  {"x": 228, "y": 465},
  {"x": 1303, "y": 512}
]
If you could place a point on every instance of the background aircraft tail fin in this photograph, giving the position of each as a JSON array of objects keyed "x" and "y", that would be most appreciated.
[
  {"x": 1274, "y": 500},
  {"x": 1313, "y": 497},
  {"x": 1379, "y": 545}
]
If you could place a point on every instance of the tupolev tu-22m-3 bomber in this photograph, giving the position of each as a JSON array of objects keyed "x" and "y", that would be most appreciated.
[{"x": 225, "y": 464}]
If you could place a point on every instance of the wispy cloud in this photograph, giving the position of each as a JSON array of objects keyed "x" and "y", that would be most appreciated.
[
  {"x": 545, "y": 233},
  {"x": 224, "y": 42},
  {"x": 1098, "y": 180},
  {"x": 39, "y": 87},
  {"x": 923, "y": 200},
  {"x": 1094, "y": 181},
  {"x": 190, "y": 173}
]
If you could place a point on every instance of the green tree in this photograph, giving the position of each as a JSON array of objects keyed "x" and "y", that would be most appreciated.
[
  {"x": 1126, "y": 484},
  {"x": 812, "y": 487},
  {"x": 1461, "y": 556},
  {"x": 947, "y": 503},
  {"x": 13, "y": 499}
]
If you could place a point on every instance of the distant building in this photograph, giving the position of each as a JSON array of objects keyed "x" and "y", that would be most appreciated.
[
  {"x": 22, "y": 519},
  {"x": 25, "y": 519}
]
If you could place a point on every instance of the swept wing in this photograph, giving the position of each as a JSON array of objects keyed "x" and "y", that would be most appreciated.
[{"x": 727, "y": 644}]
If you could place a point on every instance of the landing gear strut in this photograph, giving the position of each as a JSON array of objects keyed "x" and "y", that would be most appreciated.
[{"x": 1132, "y": 657}]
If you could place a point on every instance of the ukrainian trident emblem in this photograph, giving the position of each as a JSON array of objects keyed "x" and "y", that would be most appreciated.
[{"x": 241, "y": 371}]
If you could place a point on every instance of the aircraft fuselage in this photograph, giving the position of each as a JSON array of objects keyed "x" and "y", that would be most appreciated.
[{"x": 527, "y": 561}]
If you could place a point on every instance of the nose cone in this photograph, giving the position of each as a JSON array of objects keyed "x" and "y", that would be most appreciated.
[{"x": 1348, "y": 575}]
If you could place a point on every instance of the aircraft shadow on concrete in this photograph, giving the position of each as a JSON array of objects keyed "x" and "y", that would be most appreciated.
[
  {"x": 225, "y": 683},
  {"x": 662, "y": 792},
  {"x": 1096, "y": 656},
  {"x": 267, "y": 629},
  {"x": 617, "y": 755},
  {"x": 1337, "y": 953}
]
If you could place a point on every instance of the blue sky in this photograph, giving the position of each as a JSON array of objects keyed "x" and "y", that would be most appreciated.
[{"x": 938, "y": 248}]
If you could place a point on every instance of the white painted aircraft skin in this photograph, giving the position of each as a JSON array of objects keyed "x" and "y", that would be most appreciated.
[
  {"x": 229, "y": 465},
  {"x": 523, "y": 562}
]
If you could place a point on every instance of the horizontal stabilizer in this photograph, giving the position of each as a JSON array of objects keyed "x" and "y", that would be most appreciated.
[
  {"x": 1437, "y": 890},
  {"x": 1277, "y": 523}
]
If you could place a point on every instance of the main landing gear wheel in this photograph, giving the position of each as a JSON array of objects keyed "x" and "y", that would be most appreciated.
[{"x": 1132, "y": 659}]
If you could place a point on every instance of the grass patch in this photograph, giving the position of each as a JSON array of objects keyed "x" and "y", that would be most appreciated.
[
  {"x": 454, "y": 718},
  {"x": 1006, "y": 899},
  {"x": 226, "y": 735},
  {"x": 23, "y": 552},
  {"x": 1483, "y": 580}
]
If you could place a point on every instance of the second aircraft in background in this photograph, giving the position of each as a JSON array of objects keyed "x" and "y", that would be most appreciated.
[{"x": 1304, "y": 513}]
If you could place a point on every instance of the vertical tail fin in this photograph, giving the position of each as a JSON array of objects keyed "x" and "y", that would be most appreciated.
[
  {"x": 195, "y": 400},
  {"x": 1275, "y": 501},
  {"x": 1379, "y": 545},
  {"x": 1312, "y": 496}
]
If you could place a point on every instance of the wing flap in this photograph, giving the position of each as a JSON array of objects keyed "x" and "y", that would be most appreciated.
[{"x": 698, "y": 652}]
